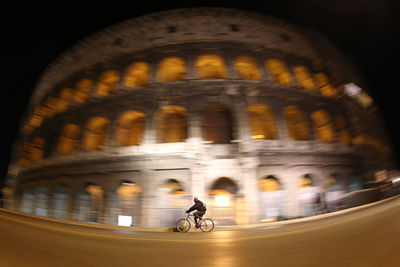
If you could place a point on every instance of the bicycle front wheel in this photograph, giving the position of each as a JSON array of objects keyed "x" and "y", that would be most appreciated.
[
  {"x": 206, "y": 225},
  {"x": 183, "y": 225}
]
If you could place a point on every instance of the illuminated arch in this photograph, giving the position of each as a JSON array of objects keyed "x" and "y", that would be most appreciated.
[
  {"x": 269, "y": 183},
  {"x": 303, "y": 76},
  {"x": 278, "y": 71},
  {"x": 172, "y": 124},
  {"x": 64, "y": 98},
  {"x": 296, "y": 123},
  {"x": 171, "y": 69},
  {"x": 174, "y": 187},
  {"x": 137, "y": 74},
  {"x": 343, "y": 130},
  {"x": 36, "y": 149},
  {"x": 130, "y": 127},
  {"x": 306, "y": 181},
  {"x": 217, "y": 124},
  {"x": 325, "y": 86},
  {"x": 83, "y": 88},
  {"x": 262, "y": 122},
  {"x": 89, "y": 203},
  {"x": 323, "y": 126},
  {"x": 60, "y": 201},
  {"x": 107, "y": 82},
  {"x": 37, "y": 117},
  {"x": 49, "y": 106},
  {"x": 95, "y": 137},
  {"x": 247, "y": 68},
  {"x": 210, "y": 67},
  {"x": 68, "y": 139}
]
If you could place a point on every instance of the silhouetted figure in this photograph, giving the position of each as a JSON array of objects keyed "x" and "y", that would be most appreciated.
[{"x": 201, "y": 210}]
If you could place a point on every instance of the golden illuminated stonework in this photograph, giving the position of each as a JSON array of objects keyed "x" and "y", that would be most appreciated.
[{"x": 241, "y": 110}]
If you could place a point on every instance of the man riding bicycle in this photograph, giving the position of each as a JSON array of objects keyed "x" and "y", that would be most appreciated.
[{"x": 201, "y": 210}]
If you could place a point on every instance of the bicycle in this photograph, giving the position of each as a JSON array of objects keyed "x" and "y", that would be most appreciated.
[{"x": 183, "y": 225}]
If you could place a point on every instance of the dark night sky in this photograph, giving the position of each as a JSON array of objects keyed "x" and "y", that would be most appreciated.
[{"x": 34, "y": 35}]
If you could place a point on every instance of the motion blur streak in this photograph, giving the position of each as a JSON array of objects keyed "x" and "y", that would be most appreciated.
[{"x": 362, "y": 237}]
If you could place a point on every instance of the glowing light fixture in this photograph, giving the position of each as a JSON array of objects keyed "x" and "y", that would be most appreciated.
[{"x": 124, "y": 220}]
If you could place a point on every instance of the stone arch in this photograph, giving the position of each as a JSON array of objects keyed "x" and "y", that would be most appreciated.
[
  {"x": 83, "y": 89},
  {"x": 137, "y": 74},
  {"x": 61, "y": 201},
  {"x": 304, "y": 77},
  {"x": 217, "y": 124},
  {"x": 309, "y": 189},
  {"x": 343, "y": 131},
  {"x": 69, "y": 138},
  {"x": 171, "y": 69},
  {"x": 296, "y": 123},
  {"x": 173, "y": 199},
  {"x": 42, "y": 200},
  {"x": 247, "y": 68},
  {"x": 95, "y": 136},
  {"x": 323, "y": 126},
  {"x": 222, "y": 198},
  {"x": 107, "y": 82},
  {"x": 262, "y": 122},
  {"x": 64, "y": 98},
  {"x": 26, "y": 198},
  {"x": 130, "y": 128},
  {"x": 171, "y": 124},
  {"x": 325, "y": 85},
  {"x": 278, "y": 71},
  {"x": 271, "y": 198},
  {"x": 211, "y": 66},
  {"x": 124, "y": 203},
  {"x": 89, "y": 202}
]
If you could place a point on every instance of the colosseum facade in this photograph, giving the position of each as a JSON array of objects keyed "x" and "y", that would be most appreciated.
[{"x": 249, "y": 113}]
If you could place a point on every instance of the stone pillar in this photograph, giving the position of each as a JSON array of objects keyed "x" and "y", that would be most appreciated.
[{"x": 250, "y": 188}]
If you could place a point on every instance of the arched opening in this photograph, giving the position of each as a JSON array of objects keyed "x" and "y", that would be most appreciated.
[
  {"x": 222, "y": 201},
  {"x": 262, "y": 122},
  {"x": 308, "y": 193},
  {"x": 271, "y": 198},
  {"x": 27, "y": 202},
  {"x": 64, "y": 98},
  {"x": 69, "y": 139},
  {"x": 217, "y": 124},
  {"x": 83, "y": 88},
  {"x": 173, "y": 200},
  {"x": 137, "y": 74},
  {"x": 325, "y": 86},
  {"x": 95, "y": 136},
  {"x": 343, "y": 130},
  {"x": 210, "y": 67},
  {"x": 37, "y": 117},
  {"x": 335, "y": 190},
  {"x": 61, "y": 201},
  {"x": 247, "y": 68},
  {"x": 89, "y": 203},
  {"x": 36, "y": 149},
  {"x": 296, "y": 123},
  {"x": 171, "y": 69},
  {"x": 107, "y": 83},
  {"x": 130, "y": 128},
  {"x": 124, "y": 204},
  {"x": 304, "y": 78},
  {"x": 323, "y": 126},
  {"x": 42, "y": 199},
  {"x": 278, "y": 71},
  {"x": 172, "y": 124},
  {"x": 49, "y": 107}
]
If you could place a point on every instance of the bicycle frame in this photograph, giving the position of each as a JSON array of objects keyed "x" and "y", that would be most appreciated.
[{"x": 188, "y": 217}]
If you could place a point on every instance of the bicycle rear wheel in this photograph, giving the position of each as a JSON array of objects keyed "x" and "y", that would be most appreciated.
[
  {"x": 207, "y": 225},
  {"x": 183, "y": 225}
]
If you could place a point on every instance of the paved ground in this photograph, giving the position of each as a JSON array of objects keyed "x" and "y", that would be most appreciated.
[{"x": 362, "y": 237}]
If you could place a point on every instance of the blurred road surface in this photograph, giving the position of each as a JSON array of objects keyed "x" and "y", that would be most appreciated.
[{"x": 364, "y": 237}]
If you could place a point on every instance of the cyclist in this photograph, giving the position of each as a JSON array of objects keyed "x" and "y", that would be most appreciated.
[{"x": 201, "y": 210}]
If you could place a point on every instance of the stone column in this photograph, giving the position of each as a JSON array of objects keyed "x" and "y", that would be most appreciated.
[{"x": 250, "y": 188}]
